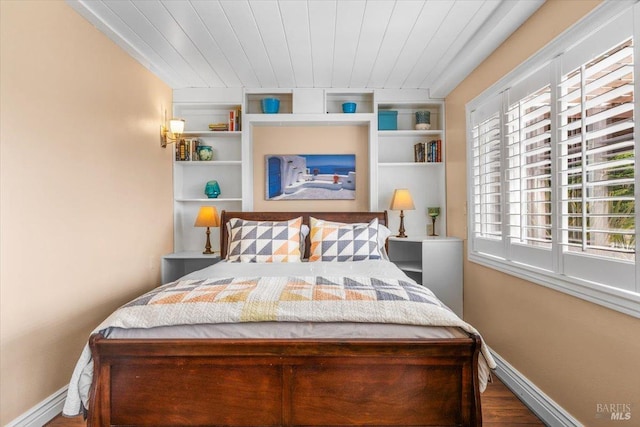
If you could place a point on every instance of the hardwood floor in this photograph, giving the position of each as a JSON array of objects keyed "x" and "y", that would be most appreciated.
[{"x": 500, "y": 408}]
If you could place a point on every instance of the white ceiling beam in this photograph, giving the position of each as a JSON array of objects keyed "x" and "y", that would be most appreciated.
[{"x": 507, "y": 17}]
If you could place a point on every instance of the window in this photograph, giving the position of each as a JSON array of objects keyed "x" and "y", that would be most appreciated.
[{"x": 552, "y": 167}]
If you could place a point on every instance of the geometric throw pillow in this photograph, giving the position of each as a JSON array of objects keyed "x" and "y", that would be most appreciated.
[
  {"x": 337, "y": 241},
  {"x": 264, "y": 241}
]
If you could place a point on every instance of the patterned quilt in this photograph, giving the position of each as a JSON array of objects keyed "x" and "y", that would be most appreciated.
[
  {"x": 282, "y": 298},
  {"x": 287, "y": 299}
]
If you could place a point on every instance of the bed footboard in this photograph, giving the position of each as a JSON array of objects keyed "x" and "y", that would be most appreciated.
[{"x": 285, "y": 382}]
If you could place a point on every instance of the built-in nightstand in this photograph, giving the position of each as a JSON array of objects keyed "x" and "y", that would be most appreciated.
[
  {"x": 178, "y": 264},
  {"x": 435, "y": 262}
]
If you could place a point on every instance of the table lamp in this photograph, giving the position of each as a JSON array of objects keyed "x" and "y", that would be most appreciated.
[
  {"x": 207, "y": 217},
  {"x": 401, "y": 201}
]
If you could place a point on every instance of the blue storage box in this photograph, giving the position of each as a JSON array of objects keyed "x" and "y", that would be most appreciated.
[{"x": 387, "y": 120}]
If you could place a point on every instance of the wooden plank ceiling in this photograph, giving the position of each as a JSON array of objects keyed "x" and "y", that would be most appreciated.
[{"x": 397, "y": 44}]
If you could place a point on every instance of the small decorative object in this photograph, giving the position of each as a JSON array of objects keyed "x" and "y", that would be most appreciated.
[
  {"x": 423, "y": 120},
  {"x": 433, "y": 213},
  {"x": 207, "y": 217},
  {"x": 387, "y": 120},
  {"x": 401, "y": 201},
  {"x": 270, "y": 105},
  {"x": 212, "y": 189},
  {"x": 349, "y": 107},
  {"x": 205, "y": 152}
]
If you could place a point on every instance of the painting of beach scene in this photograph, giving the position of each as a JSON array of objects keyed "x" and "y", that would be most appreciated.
[{"x": 310, "y": 177}]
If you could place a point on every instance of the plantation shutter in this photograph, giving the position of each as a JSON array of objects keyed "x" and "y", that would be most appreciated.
[
  {"x": 529, "y": 170},
  {"x": 597, "y": 162},
  {"x": 552, "y": 164},
  {"x": 486, "y": 131}
]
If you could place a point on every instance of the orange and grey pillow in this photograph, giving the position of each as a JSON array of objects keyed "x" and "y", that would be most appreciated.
[
  {"x": 264, "y": 241},
  {"x": 336, "y": 241}
]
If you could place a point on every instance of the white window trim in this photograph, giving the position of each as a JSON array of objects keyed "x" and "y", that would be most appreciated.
[{"x": 616, "y": 299}]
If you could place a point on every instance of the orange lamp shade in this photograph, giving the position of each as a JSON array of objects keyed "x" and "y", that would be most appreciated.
[
  {"x": 401, "y": 200},
  {"x": 207, "y": 217}
]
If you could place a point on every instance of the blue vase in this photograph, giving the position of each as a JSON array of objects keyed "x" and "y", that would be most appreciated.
[
  {"x": 423, "y": 120},
  {"x": 349, "y": 107},
  {"x": 212, "y": 189},
  {"x": 270, "y": 105},
  {"x": 205, "y": 152}
]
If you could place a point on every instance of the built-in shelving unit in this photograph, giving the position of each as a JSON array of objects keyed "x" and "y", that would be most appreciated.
[
  {"x": 398, "y": 168},
  {"x": 190, "y": 177},
  {"x": 253, "y": 101},
  {"x": 391, "y": 152},
  {"x": 334, "y": 98}
]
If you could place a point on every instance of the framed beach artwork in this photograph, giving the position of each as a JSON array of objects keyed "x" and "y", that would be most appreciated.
[{"x": 310, "y": 177}]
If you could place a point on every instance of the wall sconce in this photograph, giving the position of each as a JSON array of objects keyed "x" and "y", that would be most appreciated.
[
  {"x": 172, "y": 132},
  {"x": 401, "y": 201},
  {"x": 207, "y": 217}
]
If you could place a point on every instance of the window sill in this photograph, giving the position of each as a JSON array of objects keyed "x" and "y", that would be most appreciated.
[{"x": 615, "y": 299}]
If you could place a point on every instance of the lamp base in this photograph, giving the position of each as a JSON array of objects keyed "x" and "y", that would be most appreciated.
[
  {"x": 207, "y": 246},
  {"x": 401, "y": 230},
  {"x": 433, "y": 226}
]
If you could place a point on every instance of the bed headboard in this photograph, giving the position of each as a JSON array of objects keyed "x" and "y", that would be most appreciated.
[{"x": 348, "y": 217}]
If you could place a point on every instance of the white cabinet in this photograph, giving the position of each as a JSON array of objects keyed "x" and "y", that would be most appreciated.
[
  {"x": 177, "y": 264},
  {"x": 398, "y": 166},
  {"x": 442, "y": 270},
  {"x": 435, "y": 262}
]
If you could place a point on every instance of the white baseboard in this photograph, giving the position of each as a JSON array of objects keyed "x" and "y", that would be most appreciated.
[
  {"x": 43, "y": 412},
  {"x": 540, "y": 404}
]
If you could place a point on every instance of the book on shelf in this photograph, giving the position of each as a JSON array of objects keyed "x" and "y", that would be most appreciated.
[
  {"x": 187, "y": 149},
  {"x": 219, "y": 126},
  {"x": 434, "y": 151},
  {"x": 232, "y": 121},
  {"x": 419, "y": 152},
  {"x": 429, "y": 152},
  {"x": 194, "y": 149}
]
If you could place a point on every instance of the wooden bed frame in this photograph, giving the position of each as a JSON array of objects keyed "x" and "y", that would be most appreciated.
[{"x": 245, "y": 382}]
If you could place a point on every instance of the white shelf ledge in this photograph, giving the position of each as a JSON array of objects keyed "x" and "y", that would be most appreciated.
[
  {"x": 202, "y": 200},
  {"x": 196, "y": 163}
]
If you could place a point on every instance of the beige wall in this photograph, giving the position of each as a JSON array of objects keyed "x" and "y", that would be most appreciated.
[
  {"x": 86, "y": 206},
  {"x": 311, "y": 140},
  {"x": 578, "y": 353}
]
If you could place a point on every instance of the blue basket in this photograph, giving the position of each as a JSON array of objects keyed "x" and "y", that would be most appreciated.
[
  {"x": 387, "y": 120},
  {"x": 270, "y": 105}
]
